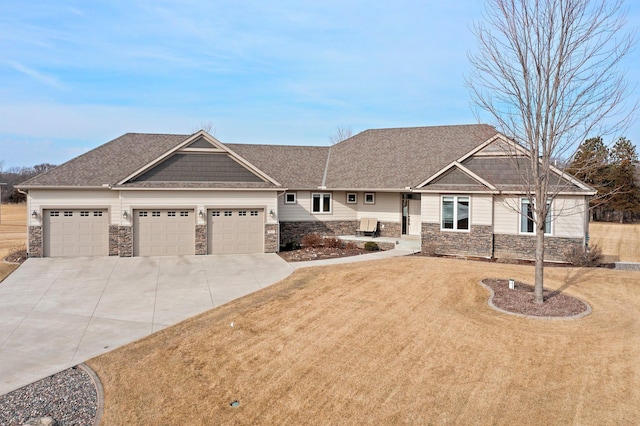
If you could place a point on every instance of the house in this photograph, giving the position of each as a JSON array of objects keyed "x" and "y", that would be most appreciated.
[{"x": 455, "y": 187}]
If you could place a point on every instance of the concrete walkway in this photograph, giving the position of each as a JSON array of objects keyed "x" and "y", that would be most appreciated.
[
  {"x": 628, "y": 266},
  {"x": 361, "y": 258},
  {"x": 57, "y": 312}
]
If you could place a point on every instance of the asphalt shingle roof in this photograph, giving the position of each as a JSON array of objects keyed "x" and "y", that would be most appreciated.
[{"x": 381, "y": 159}]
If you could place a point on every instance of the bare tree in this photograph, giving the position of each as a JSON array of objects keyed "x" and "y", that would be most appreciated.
[
  {"x": 342, "y": 132},
  {"x": 548, "y": 74},
  {"x": 207, "y": 127}
]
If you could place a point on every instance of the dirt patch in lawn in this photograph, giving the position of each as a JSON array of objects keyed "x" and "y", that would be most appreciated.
[
  {"x": 519, "y": 300},
  {"x": 404, "y": 340}
]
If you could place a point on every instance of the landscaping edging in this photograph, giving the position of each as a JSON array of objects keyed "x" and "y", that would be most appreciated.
[{"x": 582, "y": 314}]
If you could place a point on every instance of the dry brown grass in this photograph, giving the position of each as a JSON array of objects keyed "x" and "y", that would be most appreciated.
[
  {"x": 404, "y": 340},
  {"x": 619, "y": 242},
  {"x": 13, "y": 233}
]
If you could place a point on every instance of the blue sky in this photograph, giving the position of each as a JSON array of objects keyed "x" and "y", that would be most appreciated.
[{"x": 76, "y": 74}]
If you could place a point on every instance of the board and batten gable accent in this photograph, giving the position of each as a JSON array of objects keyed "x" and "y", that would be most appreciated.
[{"x": 198, "y": 167}]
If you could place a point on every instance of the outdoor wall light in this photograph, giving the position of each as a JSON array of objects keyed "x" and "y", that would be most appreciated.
[
  {"x": 125, "y": 214},
  {"x": 34, "y": 214},
  {"x": 201, "y": 214},
  {"x": 272, "y": 214}
]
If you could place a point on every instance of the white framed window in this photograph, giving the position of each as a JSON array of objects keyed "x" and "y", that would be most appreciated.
[
  {"x": 97, "y": 214},
  {"x": 369, "y": 197},
  {"x": 290, "y": 198},
  {"x": 321, "y": 202},
  {"x": 170, "y": 214},
  {"x": 352, "y": 198},
  {"x": 68, "y": 214},
  {"x": 254, "y": 212},
  {"x": 215, "y": 213},
  {"x": 142, "y": 214},
  {"x": 157, "y": 214},
  {"x": 527, "y": 214},
  {"x": 228, "y": 213},
  {"x": 84, "y": 213},
  {"x": 184, "y": 214},
  {"x": 242, "y": 213},
  {"x": 455, "y": 213},
  {"x": 54, "y": 213}
]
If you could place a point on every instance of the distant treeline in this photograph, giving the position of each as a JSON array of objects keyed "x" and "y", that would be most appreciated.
[
  {"x": 16, "y": 175},
  {"x": 614, "y": 173}
]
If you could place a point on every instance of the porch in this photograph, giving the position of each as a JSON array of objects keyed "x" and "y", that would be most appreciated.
[{"x": 406, "y": 242}]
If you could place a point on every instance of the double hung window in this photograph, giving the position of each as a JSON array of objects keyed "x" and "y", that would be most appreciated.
[
  {"x": 527, "y": 217},
  {"x": 321, "y": 203}
]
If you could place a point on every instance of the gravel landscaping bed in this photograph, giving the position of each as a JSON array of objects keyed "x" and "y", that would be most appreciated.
[
  {"x": 317, "y": 253},
  {"x": 520, "y": 300},
  {"x": 69, "y": 397}
]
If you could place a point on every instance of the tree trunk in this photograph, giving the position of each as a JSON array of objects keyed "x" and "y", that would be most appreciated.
[{"x": 539, "y": 279}]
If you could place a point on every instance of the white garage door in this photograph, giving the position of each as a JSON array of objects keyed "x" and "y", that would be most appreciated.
[
  {"x": 163, "y": 232},
  {"x": 76, "y": 232},
  {"x": 235, "y": 231}
]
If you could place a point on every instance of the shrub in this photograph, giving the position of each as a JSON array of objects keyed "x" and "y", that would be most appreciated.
[
  {"x": 312, "y": 240},
  {"x": 332, "y": 242},
  {"x": 577, "y": 256},
  {"x": 350, "y": 245},
  {"x": 430, "y": 248},
  {"x": 371, "y": 246}
]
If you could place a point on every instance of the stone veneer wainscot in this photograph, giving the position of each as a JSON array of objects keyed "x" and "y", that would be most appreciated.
[
  {"x": 294, "y": 231},
  {"x": 477, "y": 242},
  {"x": 35, "y": 241}
]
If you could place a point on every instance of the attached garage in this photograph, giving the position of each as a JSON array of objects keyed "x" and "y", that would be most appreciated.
[
  {"x": 163, "y": 232},
  {"x": 75, "y": 232},
  {"x": 235, "y": 231}
]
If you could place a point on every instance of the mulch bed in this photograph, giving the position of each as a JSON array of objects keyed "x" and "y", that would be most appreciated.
[
  {"x": 520, "y": 300},
  {"x": 318, "y": 253},
  {"x": 18, "y": 256}
]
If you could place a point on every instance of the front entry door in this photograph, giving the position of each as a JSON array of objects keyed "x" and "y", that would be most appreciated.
[{"x": 415, "y": 220}]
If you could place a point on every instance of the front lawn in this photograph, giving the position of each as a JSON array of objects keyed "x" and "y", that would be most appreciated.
[{"x": 403, "y": 340}]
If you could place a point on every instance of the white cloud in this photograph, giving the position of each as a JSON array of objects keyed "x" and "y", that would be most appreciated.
[{"x": 37, "y": 75}]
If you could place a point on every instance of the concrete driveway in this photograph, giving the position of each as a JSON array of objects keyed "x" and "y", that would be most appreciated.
[{"x": 57, "y": 312}]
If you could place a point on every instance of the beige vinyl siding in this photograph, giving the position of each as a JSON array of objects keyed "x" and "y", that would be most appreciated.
[
  {"x": 387, "y": 207},
  {"x": 506, "y": 219},
  {"x": 568, "y": 217},
  {"x": 481, "y": 209},
  {"x": 430, "y": 208},
  {"x": 301, "y": 210},
  {"x": 46, "y": 199}
]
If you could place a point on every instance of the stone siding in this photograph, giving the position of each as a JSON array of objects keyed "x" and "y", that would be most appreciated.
[
  {"x": 524, "y": 247},
  {"x": 477, "y": 242},
  {"x": 294, "y": 231},
  {"x": 35, "y": 241},
  {"x": 125, "y": 241},
  {"x": 113, "y": 240},
  {"x": 201, "y": 239},
  {"x": 390, "y": 229},
  {"x": 271, "y": 238}
]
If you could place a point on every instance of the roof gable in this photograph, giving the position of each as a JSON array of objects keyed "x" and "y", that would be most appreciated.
[{"x": 199, "y": 158}]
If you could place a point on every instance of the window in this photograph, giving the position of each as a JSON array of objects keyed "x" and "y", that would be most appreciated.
[
  {"x": 321, "y": 203},
  {"x": 97, "y": 214},
  {"x": 527, "y": 214},
  {"x": 215, "y": 213},
  {"x": 228, "y": 213},
  {"x": 455, "y": 213},
  {"x": 68, "y": 214},
  {"x": 184, "y": 214},
  {"x": 242, "y": 213},
  {"x": 142, "y": 214},
  {"x": 290, "y": 198},
  {"x": 352, "y": 198},
  {"x": 156, "y": 214},
  {"x": 54, "y": 213},
  {"x": 254, "y": 212},
  {"x": 369, "y": 198},
  {"x": 84, "y": 213}
]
